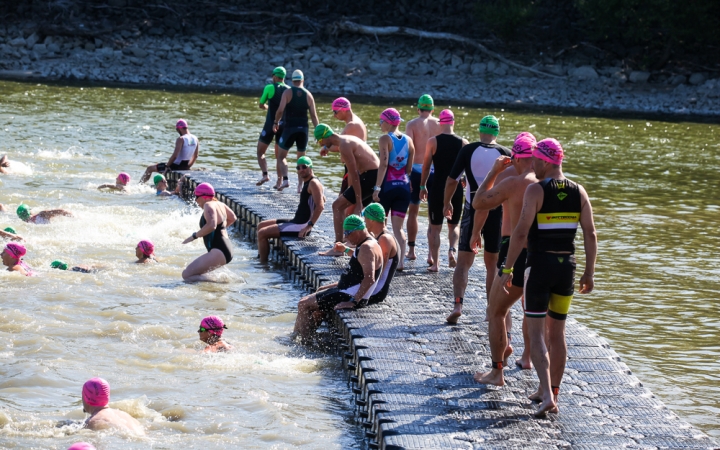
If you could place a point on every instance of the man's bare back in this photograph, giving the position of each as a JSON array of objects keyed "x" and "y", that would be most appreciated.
[
  {"x": 365, "y": 157},
  {"x": 114, "y": 418},
  {"x": 420, "y": 129},
  {"x": 355, "y": 127}
]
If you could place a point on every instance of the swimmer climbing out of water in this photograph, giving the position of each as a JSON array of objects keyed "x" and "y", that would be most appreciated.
[
  {"x": 161, "y": 186},
  {"x": 216, "y": 219},
  {"x": 121, "y": 183},
  {"x": 43, "y": 217},
  {"x": 210, "y": 332},
  {"x": 10, "y": 233},
  {"x": 145, "y": 252},
  {"x": 12, "y": 259},
  {"x": 187, "y": 148},
  {"x": 95, "y": 400}
]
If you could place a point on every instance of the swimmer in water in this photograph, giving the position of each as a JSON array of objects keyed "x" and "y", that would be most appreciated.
[
  {"x": 95, "y": 399},
  {"x": 60, "y": 265},
  {"x": 210, "y": 332},
  {"x": 215, "y": 221},
  {"x": 2, "y": 208},
  {"x": 145, "y": 252},
  {"x": 81, "y": 446},
  {"x": 121, "y": 183},
  {"x": 161, "y": 186},
  {"x": 10, "y": 233},
  {"x": 4, "y": 164},
  {"x": 12, "y": 259},
  {"x": 41, "y": 218}
]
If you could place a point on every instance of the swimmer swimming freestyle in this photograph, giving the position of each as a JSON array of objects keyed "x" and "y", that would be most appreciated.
[
  {"x": 61, "y": 265},
  {"x": 121, "y": 183},
  {"x": 10, "y": 233},
  {"x": 41, "y": 218}
]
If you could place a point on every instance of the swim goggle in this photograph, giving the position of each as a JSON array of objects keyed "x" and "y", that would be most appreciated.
[{"x": 203, "y": 329}]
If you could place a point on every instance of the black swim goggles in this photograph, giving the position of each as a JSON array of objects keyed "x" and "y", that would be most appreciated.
[{"x": 301, "y": 167}]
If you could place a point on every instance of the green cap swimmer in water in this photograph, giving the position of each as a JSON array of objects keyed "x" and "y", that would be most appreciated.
[
  {"x": 161, "y": 186},
  {"x": 43, "y": 217},
  {"x": 10, "y": 233},
  {"x": 61, "y": 265}
]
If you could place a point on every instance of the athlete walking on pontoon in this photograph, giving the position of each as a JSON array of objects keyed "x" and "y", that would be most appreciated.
[
  {"x": 270, "y": 101},
  {"x": 420, "y": 129},
  {"x": 392, "y": 188},
  {"x": 552, "y": 210},
  {"x": 509, "y": 192},
  {"x": 475, "y": 160},
  {"x": 362, "y": 164},
  {"x": 293, "y": 111},
  {"x": 441, "y": 152},
  {"x": 187, "y": 148}
]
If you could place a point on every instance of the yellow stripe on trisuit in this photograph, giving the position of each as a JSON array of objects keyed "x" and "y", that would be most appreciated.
[{"x": 558, "y": 220}]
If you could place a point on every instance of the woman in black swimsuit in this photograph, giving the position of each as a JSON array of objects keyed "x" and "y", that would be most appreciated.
[{"x": 216, "y": 218}]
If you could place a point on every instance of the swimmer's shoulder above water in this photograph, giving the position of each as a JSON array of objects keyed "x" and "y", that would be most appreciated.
[
  {"x": 121, "y": 183},
  {"x": 210, "y": 332},
  {"x": 145, "y": 252},
  {"x": 95, "y": 400}
]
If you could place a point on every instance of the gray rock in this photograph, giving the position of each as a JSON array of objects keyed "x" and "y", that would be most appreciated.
[
  {"x": 210, "y": 49},
  {"x": 90, "y": 47},
  {"x": 619, "y": 76},
  {"x": 223, "y": 64},
  {"x": 677, "y": 80},
  {"x": 18, "y": 42},
  {"x": 638, "y": 76},
  {"x": 48, "y": 40},
  {"x": 464, "y": 68},
  {"x": 136, "y": 61},
  {"x": 380, "y": 68},
  {"x": 139, "y": 52},
  {"x": 188, "y": 50},
  {"x": 156, "y": 31},
  {"x": 478, "y": 68},
  {"x": 491, "y": 66},
  {"x": 555, "y": 69},
  {"x": 32, "y": 40},
  {"x": 697, "y": 78},
  {"x": 456, "y": 61},
  {"x": 438, "y": 55},
  {"x": 40, "y": 49},
  {"x": 584, "y": 73},
  {"x": 98, "y": 43},
  {"x": 299, "y": 44},
  {"x": 501, "y": 69}
]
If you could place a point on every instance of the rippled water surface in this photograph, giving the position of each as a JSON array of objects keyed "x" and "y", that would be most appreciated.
[{"x": 653, "y": 185}]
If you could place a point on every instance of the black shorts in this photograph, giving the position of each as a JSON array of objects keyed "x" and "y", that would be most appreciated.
[
  {"x": 518, "y": 278},
  {"x": 415, "y": 183},
  {"x": 267, "y": 134},
  {"x": 490, "y": 232},
  {"x": 297, "y": 136},
  {"x": 328, "y": 298},
  {"x": 184, "y": 165},
  {"x": 436, "y": 202},
  {"x": 395, "y": 198},
  {"x": 288, "y": 228},
  {"x": 549, "y": 285},
  {"x": 367, "y": 183}
]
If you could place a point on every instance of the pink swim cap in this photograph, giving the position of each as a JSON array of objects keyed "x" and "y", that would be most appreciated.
[
  {"x": 81, "y": 446},
  {"x": 549, "y": 150},
  {"x": 17, "y": 251},
  {"x": 447, "y": 116},
  {"x": 391, "y": 116},
  {"x": 524, "y": 145},
  {"x": 214, "y": 325},
  {"x": 146, "y": 247},
  {"x": 96, "y": 392},
  {"x": 181, "y": 124},
  {"x": 124, "y": 177},
  {"x": 204, "y": 190},
  {"x": 341, "y": 104}
]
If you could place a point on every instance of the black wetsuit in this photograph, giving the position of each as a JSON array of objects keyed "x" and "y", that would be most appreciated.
[
  {"x": 303, "y": 214},
  {"x": 383, "y": 286},
  {"x": 295, "y": 121},
  {"x": 217, "y": 239},
  {"x": 446, "y": 152},
  {"x": 267, "y": 134}
]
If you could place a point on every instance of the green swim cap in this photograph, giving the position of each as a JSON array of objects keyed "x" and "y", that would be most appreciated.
[
  {"x": 374, "y": 212},
  {"x": 10, "y": 230},
  {"x": 426, "y": 103},
  {"x": 490, "y": 125},
  {"x": 322, "y": 131},
  {"x": 23, "y": 212},
  {"x": 305, "y": 160},
  {"x": 353, "y": 222},
  {"x": 57, "y": 264},
  {"x": 280, "y": 72},
  {"x": 157, "y": 179}
]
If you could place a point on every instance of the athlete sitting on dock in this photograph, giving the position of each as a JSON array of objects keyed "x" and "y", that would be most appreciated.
[
  {"x": 354, "y": 287},
  {"x": 311, "y": 206},
  {"x": 187, "y": 148}
]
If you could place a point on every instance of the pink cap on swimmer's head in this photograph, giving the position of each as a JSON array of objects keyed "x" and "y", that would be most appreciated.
[
  {"x": 549, "y": 150},
  {"x": 523, "y": 146},
  {"x": 213, "y": 325},
  {"x": 81, "y": 446},
  {"x": 341, "y": 104},
  {"x": 204, "y": 190},
  {"x": 146, "y": 247},
  {"x": 181, "y": 124},
  {"x": 17, "y": 251},
  {"x": 96, "y": 392},
  {"x": 447, "y": 117},
  {"x": 124, "y": 177},
  {"x": 391, "y": 116}
]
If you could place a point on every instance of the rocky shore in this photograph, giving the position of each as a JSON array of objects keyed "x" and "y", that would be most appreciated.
[{"x": 397, "y": 67}]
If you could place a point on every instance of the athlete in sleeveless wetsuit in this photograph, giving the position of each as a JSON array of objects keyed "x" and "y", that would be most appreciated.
[
  {"x": 303, "y": 213},
  {"x": 383, "y": 285},
  {"x": 270, "y": 100},
  {"x": 447, "y": 150},
  {"x": 395, "y": 193}
]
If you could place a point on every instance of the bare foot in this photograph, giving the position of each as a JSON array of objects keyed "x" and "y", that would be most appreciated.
[
  {"x": 452, "y": 261},
  {"x": 284, "y": 185},
  {"x": 508, "y": 352},
  {"x": 452, "y": 319},
  {"x": 524, "y": 362},
  {"x": 536, "y": 396},
  {"x": 331, "y": 252},
  {"x": 494, "y": 377},
  {"x": 411, "y": 253},
  {"x": 433, "y": 268},
  {"x": 545, "y": 407},
  {"x": 263, "y": 180},
  {"x": 430, "y": 261}
]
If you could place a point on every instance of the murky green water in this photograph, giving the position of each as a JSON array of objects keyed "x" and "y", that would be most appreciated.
[{"x": 653, "y": 185}]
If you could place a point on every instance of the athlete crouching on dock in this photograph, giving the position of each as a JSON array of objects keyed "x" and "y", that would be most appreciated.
[
  {"x": 548, "y": 222},
  {"x": 312, "y": 203},
  {"x": 215, "y": 220},
  {"x": 354, "y": 287}
]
